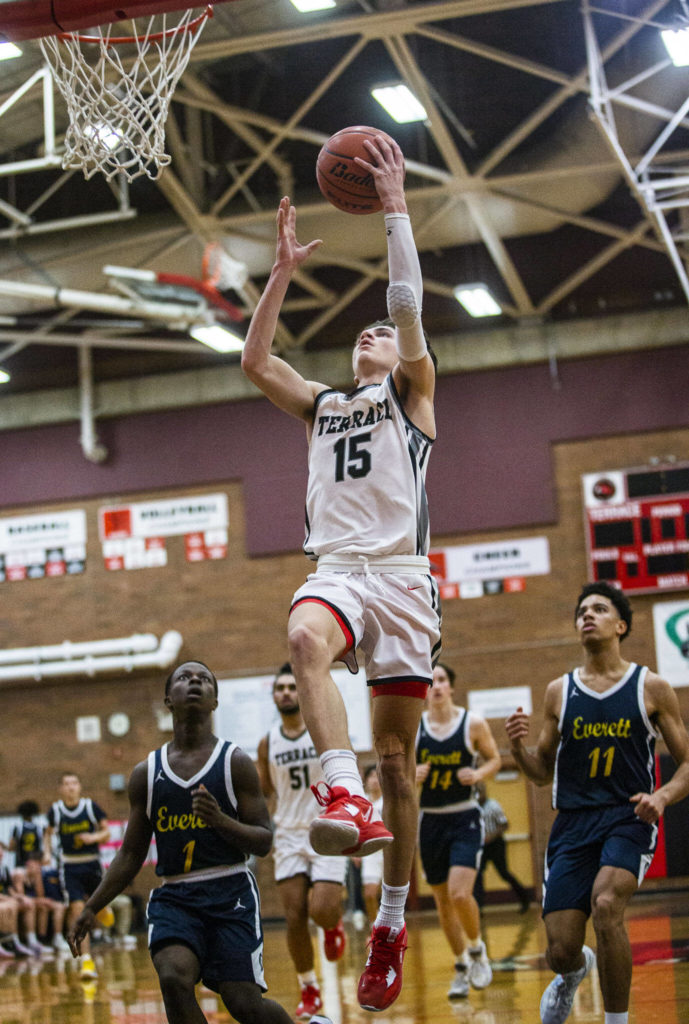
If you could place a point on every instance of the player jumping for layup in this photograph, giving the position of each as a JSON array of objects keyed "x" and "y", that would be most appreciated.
[{"x": 367, "y": 524}]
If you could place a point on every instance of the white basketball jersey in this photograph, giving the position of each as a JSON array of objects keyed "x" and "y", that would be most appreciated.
[
  {"x": 367, "y": 466},
  {"x": 294, "y": 767}
]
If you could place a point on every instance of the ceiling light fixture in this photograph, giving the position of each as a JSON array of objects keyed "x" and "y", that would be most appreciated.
[
  {"x": 306, "y": 6},
  {"x": 400, "y": 103},
  {"x": 477, "y": 300},
  {"x": 217, "y": 337},
  {"x": 4, "y": 376},
  {"x": 677, "y": 45},
  {"x": 8, "y": 51}
]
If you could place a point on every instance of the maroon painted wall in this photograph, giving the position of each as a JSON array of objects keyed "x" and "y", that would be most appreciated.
[{"x": 490, "y": 466}]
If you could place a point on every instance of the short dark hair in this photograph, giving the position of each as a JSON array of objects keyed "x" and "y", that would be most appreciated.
[
  {"x": 65, "y": 774},
  {"x": 451, "y": 674},
  {"x": 284, "y": 670},
  {"x": 368, "y": 769},
  {"x": 28, "y": 808},
  {"x": 389, "y": 322},
  {"x": 190, "y": 661},
  {"x": 614, "y": 595}
]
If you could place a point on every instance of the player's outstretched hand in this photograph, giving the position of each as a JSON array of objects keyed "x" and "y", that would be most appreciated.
[
  {"x": 386, "y": 165},
  {"x": 80, "y": 929},
  {"x": 289, "y": 251}
]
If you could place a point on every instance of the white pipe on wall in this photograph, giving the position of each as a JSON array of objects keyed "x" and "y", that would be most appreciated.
[
  {"x": 137, "y": 643},
  {"x": 90, "y": 657}
]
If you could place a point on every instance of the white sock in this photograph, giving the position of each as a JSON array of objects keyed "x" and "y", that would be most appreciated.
[
  {"x": 340, "y": 768},
  {"x": 617, "y": 1018},
  {"x": 391, "y": 910},
  {"x": 307, "y": 978}
]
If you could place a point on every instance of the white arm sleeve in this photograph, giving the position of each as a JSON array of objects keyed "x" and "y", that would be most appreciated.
[
  {"x": 405, "y": 291},
  {"x": 403, "y": 259}
]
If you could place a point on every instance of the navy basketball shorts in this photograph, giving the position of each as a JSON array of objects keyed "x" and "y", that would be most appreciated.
[
  {"x": 583, "y": 842},
  {"x": 80, "y": 880},
  {"x": 450, "y": 840},
  {"x": 219, "y": 919}
]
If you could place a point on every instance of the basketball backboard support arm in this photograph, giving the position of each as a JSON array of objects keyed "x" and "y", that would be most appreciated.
[
  {"x": 660, "y": 187},
  {"x": 24, "y": 222}
]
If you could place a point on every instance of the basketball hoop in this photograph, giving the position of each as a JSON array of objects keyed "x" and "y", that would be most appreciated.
[
  {"x": 118, "y": 91},
  {"x": 220, "y": 270}
]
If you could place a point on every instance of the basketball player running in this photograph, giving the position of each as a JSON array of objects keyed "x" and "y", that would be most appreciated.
[
  {"x": 309, "y": 884},
  {"x": 367, "y": 524},
  {"x": 80, "y": 826},
  {"x": 448, "y": 746},
  {"x": 201, "y": 798},
  {"x": 597, "y": 746}
]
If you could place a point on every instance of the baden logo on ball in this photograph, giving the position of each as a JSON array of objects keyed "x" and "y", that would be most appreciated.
[{"x": 342, "y": 181}]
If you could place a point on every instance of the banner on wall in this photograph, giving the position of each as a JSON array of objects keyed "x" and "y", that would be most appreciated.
[
  {"x": 671, "y": 629},
  {"x": 498, "y": 567},
  {"x": 133, "y": 535},
  {"x": 45, "y": 545},
  {"x": 500, "y": 701},
  {"x": 246, "y": 711}
]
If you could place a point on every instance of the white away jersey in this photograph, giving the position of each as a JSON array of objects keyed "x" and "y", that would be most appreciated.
[
  {"x": 367, "y": 468},
  {"x": 294, "y": 767}
]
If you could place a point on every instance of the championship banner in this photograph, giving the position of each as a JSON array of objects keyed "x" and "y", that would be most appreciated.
[
  {"x": 498, "y": 567},
  {"x": 44, "y": 545},
  {"x": 133, "y": 536}
]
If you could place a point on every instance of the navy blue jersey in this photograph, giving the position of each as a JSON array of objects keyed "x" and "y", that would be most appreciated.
[
  {"x": 607, "y": 743},
  {"x": 70, "y": 823},
  {"x": 441, "y": 788},
  {"x": 184, "y": 843},
  {"x": 28, "y": 838}
]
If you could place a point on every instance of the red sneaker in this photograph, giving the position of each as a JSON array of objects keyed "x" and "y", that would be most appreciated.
[
  {"x": 334, "y": 941},
  {"x": 381, "y": 981},
  {"x": 310, "y": 1003},
  {"x": 346, "y": 826}
]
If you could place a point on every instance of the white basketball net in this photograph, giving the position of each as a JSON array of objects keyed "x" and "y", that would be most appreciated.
[{"x": 118, "y": 94}]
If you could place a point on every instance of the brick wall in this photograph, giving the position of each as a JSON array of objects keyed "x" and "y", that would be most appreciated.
[{"x": 232, "y": 614}]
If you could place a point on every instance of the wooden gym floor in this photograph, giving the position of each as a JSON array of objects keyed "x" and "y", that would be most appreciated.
[{"x": 126, "y": 991}]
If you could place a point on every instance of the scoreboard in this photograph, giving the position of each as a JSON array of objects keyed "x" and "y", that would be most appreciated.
[{"x": 637, "y": 527}]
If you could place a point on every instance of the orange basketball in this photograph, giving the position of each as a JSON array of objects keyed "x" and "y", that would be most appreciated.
[{"x": 343, "y": 183}]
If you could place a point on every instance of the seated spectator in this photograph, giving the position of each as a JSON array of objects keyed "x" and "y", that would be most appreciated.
[
  {"x": 19, "y": 913},
  {"x": 26, "y": 843}
]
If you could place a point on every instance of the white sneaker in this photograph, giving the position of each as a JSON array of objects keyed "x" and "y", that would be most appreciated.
[
  {"x": 459, "y": 989},
  {"x": 38, "y": 949},
  {"x": 18, "y": 947},
  {"x": 60, "y": 943},
  {"x": 557, "y": 1000},
  {"x": 129, "y": 941},
  {"x": 480, "y": 971}
]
